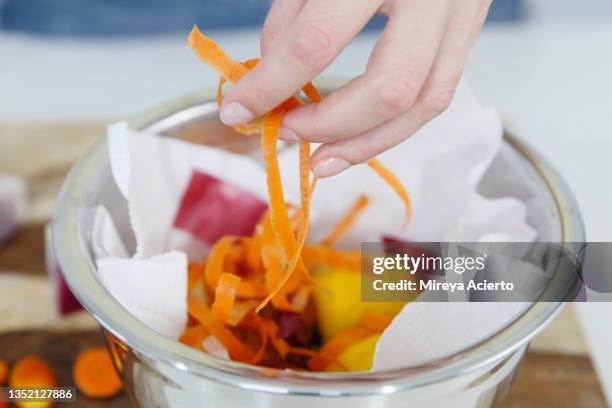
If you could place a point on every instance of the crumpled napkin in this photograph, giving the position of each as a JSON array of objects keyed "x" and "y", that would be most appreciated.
[{"x": 182, "y": 197}]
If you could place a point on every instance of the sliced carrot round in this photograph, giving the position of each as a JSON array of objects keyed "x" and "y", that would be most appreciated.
[
  {"x": 32, "y": 372},
  {"x": 94, "y": 373},
  {"x": 3, "y": 372}
]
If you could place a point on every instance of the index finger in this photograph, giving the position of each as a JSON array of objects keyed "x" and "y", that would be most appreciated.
[{"x": 319, "y": 32}]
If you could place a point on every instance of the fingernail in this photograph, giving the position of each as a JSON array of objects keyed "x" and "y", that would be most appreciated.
[
  {"x": 287, "y": 135},
  {"x": 235, "y": 114},
  {"x": 330, "y": 167}
]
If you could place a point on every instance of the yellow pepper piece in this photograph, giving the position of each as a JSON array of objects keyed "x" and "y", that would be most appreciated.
[
  {"x": 358, "y": 357},
  {"x": 339, "y": 304}
]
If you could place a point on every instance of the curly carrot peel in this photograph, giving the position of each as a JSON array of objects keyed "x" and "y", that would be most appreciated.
[{"x": 271, "y": 267}]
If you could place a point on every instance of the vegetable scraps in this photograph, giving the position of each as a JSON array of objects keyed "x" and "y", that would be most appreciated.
[{"x": 271, "y": 298}]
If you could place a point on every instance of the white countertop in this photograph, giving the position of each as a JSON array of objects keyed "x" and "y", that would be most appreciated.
[{"x": 553, "y": 84}]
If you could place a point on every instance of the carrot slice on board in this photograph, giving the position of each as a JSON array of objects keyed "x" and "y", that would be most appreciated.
[
  {"x": 225, "y": 295},
  {"x": 235, "y": 348},
  {"x": 94, "y": 373},
  {"x": 345, "y": 223},
  {"x": 32, "y": 372},
  {"x": 395, "y": 184},
  {"x": 3, "y": 372}
]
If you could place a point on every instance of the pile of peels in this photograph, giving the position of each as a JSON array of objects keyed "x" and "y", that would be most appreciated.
[{"x": 264, "y": 297}]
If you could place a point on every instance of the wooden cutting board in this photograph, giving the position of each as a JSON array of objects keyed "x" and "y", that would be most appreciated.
[
  {"x": 59, "y": 349},
  {"x": 543, "y": 380}
]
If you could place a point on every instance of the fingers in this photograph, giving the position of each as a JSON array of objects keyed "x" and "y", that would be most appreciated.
[
  {"x": 280, "y": 16},
  {"x": 319, "y": 32},
  {"x": 448, "y": 67},
  {"x": 437, "y": 92},
  {"x": 393, "y": 80},
  {"x": 332, "y": 158}
]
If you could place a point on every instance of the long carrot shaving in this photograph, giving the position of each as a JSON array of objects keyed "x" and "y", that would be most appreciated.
[
  {"x": 395, "y": 184},
  {"x": 345, "y": 223},
  {"x": 312, "y": 93},
  {"x": 225, "y": 295},
  {"x": 305, "y": 202},
  {"x": 270, "y": 255},
  {"x": 271, "y": 266},
  {"x": 194, "y": 336},
  {"x": 94, "y": 373},
  {"x": 240, "y": 310},
  {"x": 216, "y": 260},
  {"x": 209, "y": 52},
  {"x": 251, "y": 290},
  {"x": 235, "y": 348}
]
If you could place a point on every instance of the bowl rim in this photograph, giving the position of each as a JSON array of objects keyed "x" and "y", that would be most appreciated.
[{"x": 79, "y": 272}]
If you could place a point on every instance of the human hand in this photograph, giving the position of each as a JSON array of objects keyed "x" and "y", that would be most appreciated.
[{"x": 410, "y": 78}]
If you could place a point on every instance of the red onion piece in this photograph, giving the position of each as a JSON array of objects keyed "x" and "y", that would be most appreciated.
[
  {"x": 12, "y": 197},
  {"x": 211, "y": 208},
  {"x": 65, "y": 300}
]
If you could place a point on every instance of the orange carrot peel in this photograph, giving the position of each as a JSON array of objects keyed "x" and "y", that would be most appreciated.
[
  {"x": 272, "y": 266},
  {"x": 345, "y": 223}
]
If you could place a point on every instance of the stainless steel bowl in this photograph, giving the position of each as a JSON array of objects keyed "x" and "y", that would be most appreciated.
[{"x": 160, "y": 372}]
